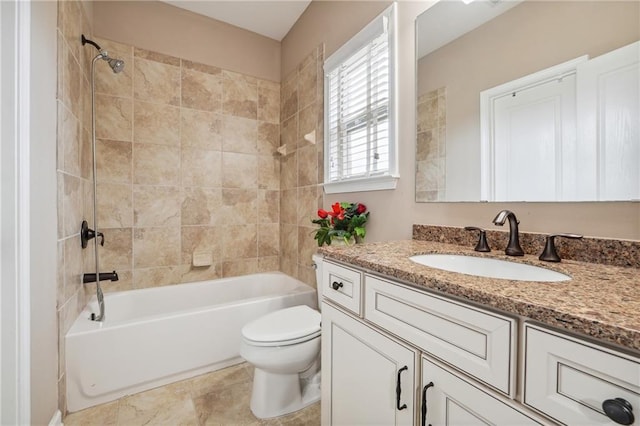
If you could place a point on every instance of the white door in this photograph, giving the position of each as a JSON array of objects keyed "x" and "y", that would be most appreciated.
[
  {"x": 449, "y": 400},
  {"x": 534, "y": 138},
  {"x": 367, "y": 378},
  {"x": 608, "y": 91}
]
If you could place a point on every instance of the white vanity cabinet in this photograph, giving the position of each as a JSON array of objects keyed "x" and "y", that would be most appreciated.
[
  {"x": 367, "y": 378},
  {"x": 464, "y": 365}
]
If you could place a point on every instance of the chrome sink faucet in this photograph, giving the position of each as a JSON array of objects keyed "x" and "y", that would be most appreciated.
[{"x": 513, "y": 248}]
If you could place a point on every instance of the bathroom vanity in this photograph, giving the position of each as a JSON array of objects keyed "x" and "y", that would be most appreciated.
[{"x": 406, "y": 344}]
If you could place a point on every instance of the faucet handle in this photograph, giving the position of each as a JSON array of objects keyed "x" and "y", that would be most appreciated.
[
  {"x": 87, "y": 234},
  {"x": 550, "y": 254},
  {"x": 483, "y": 245}
]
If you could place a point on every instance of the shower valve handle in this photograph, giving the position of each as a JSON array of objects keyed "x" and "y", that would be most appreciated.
[{"x": 87, "y": 234}]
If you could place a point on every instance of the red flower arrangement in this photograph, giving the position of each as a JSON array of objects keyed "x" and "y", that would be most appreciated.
[{"x": 344, "y": 221}]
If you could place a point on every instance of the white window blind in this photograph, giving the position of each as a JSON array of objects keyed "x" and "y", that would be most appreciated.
[{"x": 359, "y": 108}]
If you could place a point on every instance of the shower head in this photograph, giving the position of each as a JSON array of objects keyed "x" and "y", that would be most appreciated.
[{"x": 116, "y": 65}]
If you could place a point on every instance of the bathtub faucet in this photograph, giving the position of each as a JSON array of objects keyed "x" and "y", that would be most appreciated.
[{"x": 104, "y": 276}]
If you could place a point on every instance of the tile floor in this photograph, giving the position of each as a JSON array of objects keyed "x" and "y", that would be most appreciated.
[{"x": 218, "y": 398}]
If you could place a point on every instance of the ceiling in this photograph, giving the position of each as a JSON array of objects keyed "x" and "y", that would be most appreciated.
[{"x": 271, "y": 19}]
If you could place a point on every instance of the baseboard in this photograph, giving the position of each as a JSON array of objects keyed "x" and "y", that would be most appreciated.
[{"x": 56, "y": 420}]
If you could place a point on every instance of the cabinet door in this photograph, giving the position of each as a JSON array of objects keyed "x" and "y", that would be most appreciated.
[
  {"x": 451, "y": 400},
  {"x": 366, "y": 376}
]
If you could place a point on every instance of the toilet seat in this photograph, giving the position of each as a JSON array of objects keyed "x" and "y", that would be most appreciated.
[{"x": 284, "y": 327}]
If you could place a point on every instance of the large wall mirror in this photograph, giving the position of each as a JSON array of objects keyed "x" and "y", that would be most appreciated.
[{"x": 528, "y": 101}]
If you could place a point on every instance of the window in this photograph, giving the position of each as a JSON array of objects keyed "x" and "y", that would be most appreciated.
[{"x": 360, "y": 150}]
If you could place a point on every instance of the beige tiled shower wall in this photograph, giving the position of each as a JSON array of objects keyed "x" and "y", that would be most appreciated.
[
  {"x": 431, "y": 146},
  {"x": 301, "y": 112},
  {"x": 73, "y": 168},
  {"x": 186, "y": 164}
]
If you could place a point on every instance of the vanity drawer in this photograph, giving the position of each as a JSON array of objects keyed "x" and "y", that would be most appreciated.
[
  {"x": 568, "y": 379},
  {"x": 342, "y": 285},
  {"x": 478, "y": 342}
]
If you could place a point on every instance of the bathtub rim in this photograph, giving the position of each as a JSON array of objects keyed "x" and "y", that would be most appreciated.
[{"x": 83, "y": 324}]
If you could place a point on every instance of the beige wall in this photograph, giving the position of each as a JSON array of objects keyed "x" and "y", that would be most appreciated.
[
  {"x": 533, "y": 28},
  {"x": 393, "y": 212},
  {"x": 540, "y": 36},
  {"x": 73, "y": 170},
  {"x": 328, "y": 22},
  {"x": 43, "y": 229},
  {"x": 160, "y": 27},
  {"x": 186, "y": 165}
]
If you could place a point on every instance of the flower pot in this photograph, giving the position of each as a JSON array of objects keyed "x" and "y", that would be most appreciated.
[{"x": 340, "y": 242}]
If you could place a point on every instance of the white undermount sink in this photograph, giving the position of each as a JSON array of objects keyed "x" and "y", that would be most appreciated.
[{"x": 487, "y": 267}]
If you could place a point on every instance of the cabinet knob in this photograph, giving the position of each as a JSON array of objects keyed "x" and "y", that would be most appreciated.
[
  {"x": 336, "y": 285},
  {"x": 619, "y": 410}
]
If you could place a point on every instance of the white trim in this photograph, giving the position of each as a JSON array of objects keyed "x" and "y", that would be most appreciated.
[
  {"x": 15, "y": 210},
  {"x": 24, "y": 193},
  {"x": 56, "y": 420},
  {"x": 3, "y": 345},
  {"x": 487, "y": 99},
  {"x": 394, "y": 168},
  {"x": 378, "y": 183},
  {"x": 375, "y": 27}
]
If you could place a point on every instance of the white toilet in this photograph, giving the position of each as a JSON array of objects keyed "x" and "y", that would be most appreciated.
[{"x": 284, "y": 348}]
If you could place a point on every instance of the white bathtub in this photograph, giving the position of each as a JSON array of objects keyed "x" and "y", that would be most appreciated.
[{"x": 156, "y": 336}]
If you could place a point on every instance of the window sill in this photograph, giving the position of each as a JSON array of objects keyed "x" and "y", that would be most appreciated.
[{"x": 379, "y": 183}]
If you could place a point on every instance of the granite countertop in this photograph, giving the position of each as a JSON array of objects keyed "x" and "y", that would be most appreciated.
[{"x": 600, "y": 301}]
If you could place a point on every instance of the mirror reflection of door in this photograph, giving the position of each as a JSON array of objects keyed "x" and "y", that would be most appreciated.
[
  {"x": 528, "y": 137},
  {"x": 567, "y": 133},
  {"x": 534, "y": 133},
  {"x": 608, "y": 93}
]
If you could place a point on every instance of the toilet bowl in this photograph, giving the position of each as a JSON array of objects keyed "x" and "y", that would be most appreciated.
[{"x": 284, "y": 348}]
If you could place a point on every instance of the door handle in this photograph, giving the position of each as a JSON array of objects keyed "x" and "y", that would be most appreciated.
[
  {"x": 399, "y": 389},
  {"x": 424, "y": 402}
]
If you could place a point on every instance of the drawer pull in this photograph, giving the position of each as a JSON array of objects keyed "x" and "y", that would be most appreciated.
[
  {"x": 619, "y": 410},
  {"x": 399, "y": 389},
  {"x": 424, "y": 402},
  {"x": 336, "y": 285}
]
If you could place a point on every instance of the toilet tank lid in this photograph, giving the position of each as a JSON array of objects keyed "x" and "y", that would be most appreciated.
[{"x": 284, "y": 324}]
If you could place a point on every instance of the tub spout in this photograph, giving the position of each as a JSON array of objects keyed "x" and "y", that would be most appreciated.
[{"x": 104, "y": 276}]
